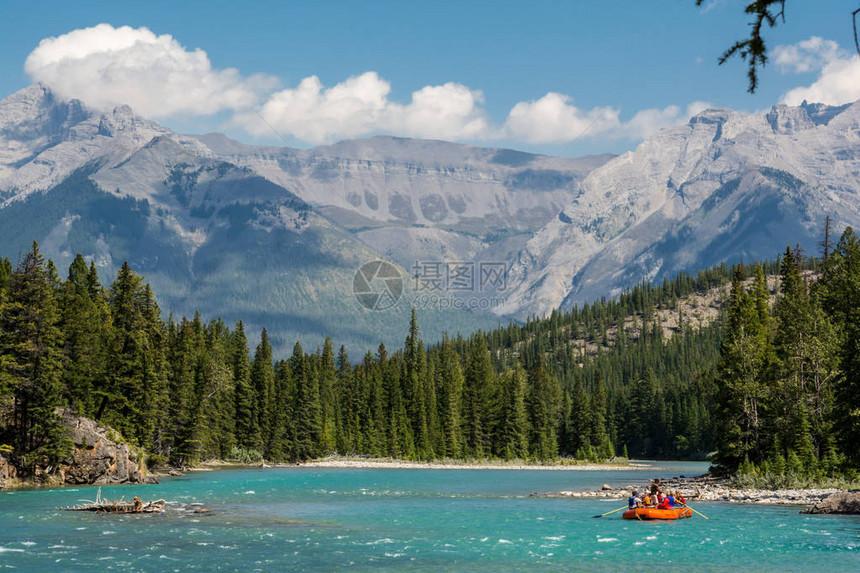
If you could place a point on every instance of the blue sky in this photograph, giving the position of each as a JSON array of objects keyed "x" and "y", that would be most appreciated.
[{"x": 605, "y": 62}]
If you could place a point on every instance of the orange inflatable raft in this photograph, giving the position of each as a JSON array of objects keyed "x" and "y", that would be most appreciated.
[{"x": 643, "y": 513}]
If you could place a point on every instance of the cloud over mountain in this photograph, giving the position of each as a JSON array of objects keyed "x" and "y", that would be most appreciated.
[
  {"x": 555, "y": 119},
  {"x": 360, "y": 105},
  {"x": 106, "y": 66},
  {"x": 838, "y": 80}
]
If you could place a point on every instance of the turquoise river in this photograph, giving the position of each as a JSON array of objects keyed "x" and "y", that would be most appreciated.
[{"x": 337, "y": 519}]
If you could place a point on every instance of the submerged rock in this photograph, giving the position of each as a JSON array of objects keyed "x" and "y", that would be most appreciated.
[{"x": 843, "y": 502}]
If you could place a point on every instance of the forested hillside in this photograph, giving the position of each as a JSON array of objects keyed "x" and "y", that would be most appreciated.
[{"x": 601, "y": 380}]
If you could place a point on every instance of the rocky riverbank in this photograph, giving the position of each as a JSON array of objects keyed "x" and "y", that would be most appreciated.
[
  {"x": 706, "y": 488},
  {"x": 99, "y": 456},
  {"x": 844, "y": 502}
]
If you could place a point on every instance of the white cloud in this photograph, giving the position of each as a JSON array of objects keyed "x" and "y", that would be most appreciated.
[
  {"x": 360, "y": 106},
  {"x": 105, "y": 66},
  {"x": 555, "y": 119},
  {"x": 838, "y": 81},
  {"x": 448, "y": 111},
  {"x": 711, "y": 5},
  {"x": 647, "y": 122},
  {"x": 158, "y": 77},
  {"x": 806, "y": 56}
]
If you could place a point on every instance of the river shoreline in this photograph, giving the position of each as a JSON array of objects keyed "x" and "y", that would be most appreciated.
[
  {"x": 695, "y": 489},
  {"x": 385, "y": 463},
  {"x": 706, "y": 488}
]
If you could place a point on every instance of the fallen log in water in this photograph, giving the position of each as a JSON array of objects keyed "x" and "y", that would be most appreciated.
[{"x": 106, "y": 506}]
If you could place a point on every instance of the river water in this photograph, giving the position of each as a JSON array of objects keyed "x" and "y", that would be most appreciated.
[{"x": 314, "y": 519}]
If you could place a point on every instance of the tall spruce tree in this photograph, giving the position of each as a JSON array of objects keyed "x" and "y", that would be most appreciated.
[
  {"x": 479, "y": 400},
  {"x": 85, "y": 323},
  {"x": 263, "y": 382},
  {"x": 245, "y": 394},
  {"x": 512, "y": 425},
  {"x": 840, "y": 298},
  {"x": 307, "y": 412},
  {"x": 32, "y": 343},
  {"x": 134, "y": 389},
  {"x": 742, "y": 379},
  {"x": 542, "y": 404},
  {"x": 328, "y": 397},
  {"x": 450, "y": 385}
]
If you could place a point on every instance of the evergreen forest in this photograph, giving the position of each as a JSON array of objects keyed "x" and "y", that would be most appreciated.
[{"x": 770, "y": 387}]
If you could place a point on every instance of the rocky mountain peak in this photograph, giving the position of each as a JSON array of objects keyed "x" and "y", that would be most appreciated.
[
  {"x": 786, "y": 119},
  {"x": 714, "y": 115},
  {"x": 36, "y": 111},
  {"x": 121, "y": 119}
]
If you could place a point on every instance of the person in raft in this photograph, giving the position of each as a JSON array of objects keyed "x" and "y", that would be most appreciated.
[
  {"x": 633, "y": 501},
  {"x": 646, "y": 500},
  {"x": 668, "y": 502},
  {"x": 679, "y": 499}
]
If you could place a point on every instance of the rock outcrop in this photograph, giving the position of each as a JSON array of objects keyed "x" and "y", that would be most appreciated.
[
  {"x": 7, "y": 472},
  {"x": 100, "y": 456},
  {"x": 843, "y": 502}
]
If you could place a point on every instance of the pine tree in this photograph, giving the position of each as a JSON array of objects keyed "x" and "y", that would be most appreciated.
[
  {"x": 642, "y": 417},
  {"x": 328, "y": 397},
  {"x": 599, "y": 434},
  {"x": 840, "y": 297},
  {"x": 5, "y": 274},
  {"x": 742, "y": 379},
  {"x": 579, "y": 420},
  {"x": 512, "y": 425},
  {"x": 479, "y": 400},
  {"x": 542, "y": 403},
  {"x": 133, "y": 391},
  {"x": 283, "y": 432},
  {"x": 450, "y": 399},
  {"x": 31, "y": 342},
  {"x": 263, "y": 382},
  {"x": 349, "y": 406},
  {"x": 414, "y": 390},
  {"x": 307, "y": 411},
  {"x": 247, "y": 426},
  {"x": 85, "y": 323},
  {"x": 399, "y": 431}
]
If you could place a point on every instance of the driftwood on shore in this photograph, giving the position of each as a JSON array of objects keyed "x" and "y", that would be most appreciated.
[{"x": 121, "y": 506}]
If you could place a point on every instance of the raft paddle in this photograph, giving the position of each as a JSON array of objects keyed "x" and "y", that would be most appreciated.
[
  {"x": 614, "y": 510},
  {"x": 705, "y": 516}
]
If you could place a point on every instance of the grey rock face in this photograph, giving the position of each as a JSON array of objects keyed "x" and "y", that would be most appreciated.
[
  {"x": 727, "y": 186},
  {"x": 7, "y": 472},
  {"x": 100, "y": 456},
  {"x": 199, "y": 215}
]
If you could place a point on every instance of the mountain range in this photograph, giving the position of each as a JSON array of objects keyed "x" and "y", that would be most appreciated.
[{"x": 276, "y": 236}]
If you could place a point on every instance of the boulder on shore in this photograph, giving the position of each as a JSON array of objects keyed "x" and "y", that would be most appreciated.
[
  {"x": 842, "y": 502},
  {"x": 100, "y": 455}
]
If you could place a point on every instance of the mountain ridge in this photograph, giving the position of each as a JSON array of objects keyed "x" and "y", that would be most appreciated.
[{"x": 199, "y": 213}]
